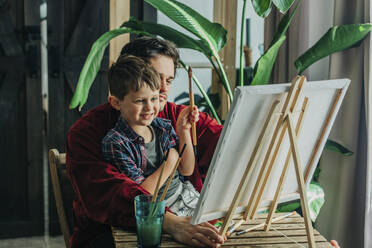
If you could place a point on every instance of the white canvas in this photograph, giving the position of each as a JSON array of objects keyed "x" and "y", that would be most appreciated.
[{"x": 239, "y": 135}]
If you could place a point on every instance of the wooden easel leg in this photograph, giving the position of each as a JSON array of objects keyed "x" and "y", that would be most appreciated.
[
  {"x": 258, "y": 183},
  {"x": 248, "y": 170},
  {"x": 300, "y": 181},
  {"x": 326, "y": 124},
  {"x": 290, "y": 104},
  {"x": 283, "y": 176}
]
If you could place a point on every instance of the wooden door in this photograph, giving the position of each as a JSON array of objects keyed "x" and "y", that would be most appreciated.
[
  {"x": 73, "y": 26},
  {"x": 20, "y": 120}
]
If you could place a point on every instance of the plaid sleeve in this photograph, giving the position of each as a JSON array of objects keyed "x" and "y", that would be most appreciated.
[
  {"x": 173, "y": 139},
  {"x": 116, "y": 153}
]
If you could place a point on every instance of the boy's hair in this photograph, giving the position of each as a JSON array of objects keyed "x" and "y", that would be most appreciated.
[
  {"x": 149, "y": 47},
  {"x": 131, "y": 73}
]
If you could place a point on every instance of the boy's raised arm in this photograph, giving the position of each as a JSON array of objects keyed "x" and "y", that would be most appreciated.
[{"x": 184, "y": 121}]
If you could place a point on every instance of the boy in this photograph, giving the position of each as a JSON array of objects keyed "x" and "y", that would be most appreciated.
[{"x": 139, "y": 139}]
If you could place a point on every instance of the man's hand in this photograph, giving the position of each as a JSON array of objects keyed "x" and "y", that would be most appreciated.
[{"x": 202, "y": 235}]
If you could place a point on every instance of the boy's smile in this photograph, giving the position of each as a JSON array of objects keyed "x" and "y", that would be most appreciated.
[{"x": 140, "y": 108}]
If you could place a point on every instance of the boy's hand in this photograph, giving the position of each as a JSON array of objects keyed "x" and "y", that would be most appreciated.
[{"x": 186, "y": 118}]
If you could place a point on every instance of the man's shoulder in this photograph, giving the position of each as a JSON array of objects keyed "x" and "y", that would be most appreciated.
[
  {"x": 174, "y": 106},
  {"x": 171, "y": 110},
  {"x": 102, "y": 117}
]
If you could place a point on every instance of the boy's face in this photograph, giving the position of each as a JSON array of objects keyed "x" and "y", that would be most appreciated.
[
  {"x": 139, "y": 108},
  {"x": 165, "y": 67}
]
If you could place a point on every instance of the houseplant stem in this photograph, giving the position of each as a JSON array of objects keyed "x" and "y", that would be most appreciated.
[{"x": 241, "y": 45}]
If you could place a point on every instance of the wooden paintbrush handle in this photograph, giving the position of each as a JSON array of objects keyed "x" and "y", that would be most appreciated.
[
  {"x": 191, "y": 96},
  {"x": 172, "y": 175},
  {"x": 158, "y": 182}
]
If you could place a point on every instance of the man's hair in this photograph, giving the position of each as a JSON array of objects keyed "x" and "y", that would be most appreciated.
[
  {"x": 149, "y": 47},
  {"x": 131, "y": 73}
]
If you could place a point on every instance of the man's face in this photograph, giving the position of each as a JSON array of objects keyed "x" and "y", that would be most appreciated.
[{"x": 165, "y": 67}]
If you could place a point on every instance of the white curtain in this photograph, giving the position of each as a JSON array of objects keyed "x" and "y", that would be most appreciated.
[
  {"x": 346, "y": 214},
  {"x": 346, "y": 181},
  {"x": 368, "y": 89}
]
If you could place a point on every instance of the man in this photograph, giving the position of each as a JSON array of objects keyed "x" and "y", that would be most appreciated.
[{"x": 104, "y": 195}]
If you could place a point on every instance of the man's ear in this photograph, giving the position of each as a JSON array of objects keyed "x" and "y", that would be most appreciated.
[{"x": 114, "y": 102}]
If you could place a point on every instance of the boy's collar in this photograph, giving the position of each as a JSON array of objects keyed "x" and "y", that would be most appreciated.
[{"x": 124, "y": 127}]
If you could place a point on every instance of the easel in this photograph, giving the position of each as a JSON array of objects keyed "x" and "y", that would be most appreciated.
[{"x": 283, "y": 124}]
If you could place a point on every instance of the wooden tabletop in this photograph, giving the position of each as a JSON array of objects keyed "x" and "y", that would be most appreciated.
[{"x": 293, "y": 227}]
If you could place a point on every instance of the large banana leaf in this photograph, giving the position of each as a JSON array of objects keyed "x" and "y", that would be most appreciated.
[
  {"x": 265, "y": 64},
  {"x": 284, "y": 24},
  {"x": 283, "y": 5},
  {"x": 262, "y": 7},
  {"x": 212, "y": 33},
  {"x": 92, "y": 65},
  {"x": 168, "y": 33},
  {"x": 315, "y": 200},
  {"x": 336, "y": 39},
  {"x": 334, "y": 146}
]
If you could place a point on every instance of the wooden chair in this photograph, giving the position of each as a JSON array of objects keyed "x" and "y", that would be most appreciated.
[{"x": 63, "y": 192}]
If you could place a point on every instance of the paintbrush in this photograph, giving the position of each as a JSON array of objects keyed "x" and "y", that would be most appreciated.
[
  {"x": 172, "y": 174},
  {"x": 169, "y": 181},
  {"x": 263, "y": 224},
  {"x": 191, "y": 96},
  {"x": 163, "y": 163}
]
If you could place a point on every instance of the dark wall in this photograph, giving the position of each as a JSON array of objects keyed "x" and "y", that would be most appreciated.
[{"x": 73, "y": 26}]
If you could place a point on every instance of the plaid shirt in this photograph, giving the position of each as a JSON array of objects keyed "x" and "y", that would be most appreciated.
[{"x": 125, "y": 149}]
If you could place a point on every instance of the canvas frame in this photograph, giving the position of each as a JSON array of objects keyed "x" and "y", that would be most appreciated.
[{"x": 239, "y": 135}]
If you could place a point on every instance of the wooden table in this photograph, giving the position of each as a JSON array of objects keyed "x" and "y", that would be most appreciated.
[{"x": 292, "y": 227}]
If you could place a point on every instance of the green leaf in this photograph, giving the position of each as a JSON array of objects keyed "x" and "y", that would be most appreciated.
[
  {"x": 168, "y": 33},
  {"x": 92, "y": 65},
  {"x": 288, "y": 207},
  {"x": 262, "y": 7},
  {"x": 284, "y": 24},
  {"x": 334, "y": 146},
  {"x": 265, "y": 64},
  {"x": 283, "y": 5},
  {"x": 212, "y": 33},
  {"x": 316, "y": 174},
  {"x": 315, "y": 199},
  {"x": 336, "y": 39}
]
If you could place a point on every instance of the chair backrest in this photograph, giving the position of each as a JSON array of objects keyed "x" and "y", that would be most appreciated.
[{"x": 63, "y": 192}]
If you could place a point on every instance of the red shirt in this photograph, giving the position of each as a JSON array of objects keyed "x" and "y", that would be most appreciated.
[{"x": 104, "y": 196}]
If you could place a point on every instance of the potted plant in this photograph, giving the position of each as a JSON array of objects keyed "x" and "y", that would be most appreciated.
[{"x": 211, "y": 38}]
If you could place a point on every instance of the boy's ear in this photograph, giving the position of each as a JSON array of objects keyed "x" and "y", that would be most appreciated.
[{"x": 114, "y": 102}]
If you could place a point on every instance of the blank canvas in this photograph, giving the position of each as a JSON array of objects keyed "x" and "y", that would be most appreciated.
[{"x": 239, "y": 135}]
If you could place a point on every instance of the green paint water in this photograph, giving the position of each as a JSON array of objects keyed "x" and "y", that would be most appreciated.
[
  {"x": 149, "y": 218},
  {"x": 149, "y": 230}
]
